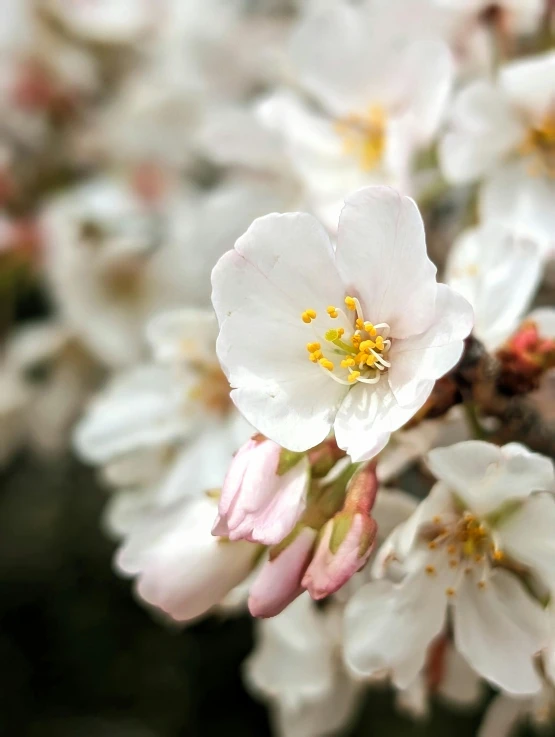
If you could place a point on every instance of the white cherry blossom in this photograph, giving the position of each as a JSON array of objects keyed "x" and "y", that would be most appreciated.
[
  {"x": 353, "y": 340},
  {"x": 380, "y": 95},
  {"x": 464, "y": 551},
  {"x": 499, "y": 273},
  {"x": 503, "y": 131}
]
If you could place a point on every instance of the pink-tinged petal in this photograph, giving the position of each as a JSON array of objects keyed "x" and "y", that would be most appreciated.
[
  {"x": 499, "y": 629},
  {"x": 329, "y": 571},
  {"x": 484, "y": 129},
  {"x": 275, "y": 516},
  {"x": 381, "y": 254},
  {"x": 388, "y": 627},
  {"x": 426, "y": 357},
  {"x": 279, "y": 580},
  {"x": 368, "y": 416},
  {"x": 180, "y": 567}
]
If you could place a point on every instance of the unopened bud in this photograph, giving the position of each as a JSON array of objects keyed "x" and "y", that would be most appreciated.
[
  {"x": 279, "y": 581},
  {"x": 343, "y": 549},
  {"x": 264, "y": 493},
  {"x": 527, "y": 355}
]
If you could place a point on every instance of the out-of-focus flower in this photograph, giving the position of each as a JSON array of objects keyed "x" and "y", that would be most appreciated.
[
  {"x": 498, "y": 272},
  {"x": 466, "y": 548},
  {"x": 167, "y": 429},
  {"x": 263, "y": 494},
  {"x": 119, "y": 251},
  {"x": 296, "y": 666},
  {"x": 512, "y": 16},
  {"x": 503, "y": 131},
  {"x": 180, "y": 567},
  {"x": 106, "y": 22},
  {"x": 311, "y": 339},
  {"x": 381, "y": 99}
]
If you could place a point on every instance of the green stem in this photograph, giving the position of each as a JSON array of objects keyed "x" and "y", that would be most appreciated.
[{"x": 473, "y": 422}]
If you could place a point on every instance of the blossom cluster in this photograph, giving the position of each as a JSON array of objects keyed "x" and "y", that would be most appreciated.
[{"x": 299, "y": 262}]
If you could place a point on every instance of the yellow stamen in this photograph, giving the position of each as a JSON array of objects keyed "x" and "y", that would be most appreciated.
[
  {"x": 379, "y": 343},
  {"x": 326, "y": 364},
  {"x": 366, "y": 346},
  {"x": 347, "y": 362},
  {"x": 371, "y": 360},
  {"x": 353, "y": 376},
  {"x": 332, "y": 311},
  {"x": 430, "y": 570},
  {"x": 341, "y": 332},
  {"x": 311, "y": 347},
  {"x": 359, "y": 324},
  {"x": 450, "y": 591},
  {"x": 350, "y": 302},
  {"x": 370, "y": 329},
  {"x": 308, "y": 316}
]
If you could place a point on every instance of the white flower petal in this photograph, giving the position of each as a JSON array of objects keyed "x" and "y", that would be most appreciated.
[
  {"x": 423, "y": 358},
  {"x": 367, "y": 417},
  {"x": 530, "y": 83},
  {"x": 504, "y": 716},
  {"x": 528, "y": 536},
  {"x": 521, "y": 200},
  {"x": 499, "y": 629},
  {"x": 485, "y": 476},
  {"x": 498, "y": 273},
  {"x": 381, "y": 254},
  {"x": 484, "y": 129}
]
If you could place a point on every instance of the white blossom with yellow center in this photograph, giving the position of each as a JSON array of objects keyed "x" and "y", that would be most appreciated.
[
  {"x": 379, "y": 94},
  {"x": 503, "y": 132},
  {"x": 353, "y": 339},
  {"x": 478, "y": 548}
]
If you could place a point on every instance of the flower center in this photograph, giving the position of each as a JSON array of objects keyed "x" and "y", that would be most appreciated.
[
  {"x": 349, "y": 355},
  {"x": 364, "y": 136},
  {"x": 467, "y": 542},
  {"x": 540, "y": 145},
  {"x": 211, "y": 388}
]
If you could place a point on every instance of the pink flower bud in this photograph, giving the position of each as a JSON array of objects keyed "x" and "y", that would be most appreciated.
[
  {"x": 279, "y": 581},
  {"x": 264, "y": 493},
  {"x": 344, "y": 548}
]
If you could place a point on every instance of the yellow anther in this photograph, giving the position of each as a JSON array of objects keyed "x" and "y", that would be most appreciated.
[
  {"x": 316, "y": 355},
  {"x": 332, "y": 311},
  {"x": 308, "y": 316},
  {"x": 332, "y": 335},
  {"x": 359, "y": 324},
  {"x": 366, "y": 346},
  {"x": 481, "y": 584},
  {"x": 450, "y": 591},
  {"x": 355, "y": 340},
  {"x": 341, "y": 332},
  {"x": 370, "y": 329},
  {"x": 379, "y": 343},
  {"x": 498, "y": 555},
  {"x": 313, "y": 357},
  {"x": 350, "y": 302},
  {"x": 432, "y": 545},
  {"x": 453, "y": 563},
  {"x": 311, "y": 347},
  {"x": 353, "y": 376},
  {"x": 430, "y": 570},
  {"x": 326, "y": 364},
  {"x": 371, "y": 360},
  {"x": 347, "y": 362},
  {"x": 361, "y": 357}
]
